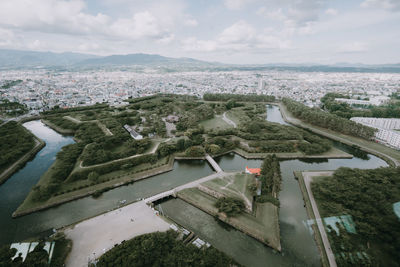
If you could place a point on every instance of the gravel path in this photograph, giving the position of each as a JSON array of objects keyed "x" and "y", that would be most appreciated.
[{"x": 229, "y": 121}]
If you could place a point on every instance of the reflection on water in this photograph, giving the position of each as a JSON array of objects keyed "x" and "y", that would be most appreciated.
[
  {"x": 298, "y": 245},
  {"x": 274, "y": 115},
  {"x": 15, "y": 189}
]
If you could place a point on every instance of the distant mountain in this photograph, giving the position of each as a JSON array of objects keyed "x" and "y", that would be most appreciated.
[
  {"x": 30, "y": 59},
  {"x": 140, "y": 59},
  {"x": 17, "y": 58}
]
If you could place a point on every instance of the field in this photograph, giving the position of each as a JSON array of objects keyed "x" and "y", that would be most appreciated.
[{"x": 233, "y": 186}]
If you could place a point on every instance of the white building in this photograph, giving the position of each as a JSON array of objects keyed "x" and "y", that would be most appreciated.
[
  {"x": 386, "y": 129},
  {"x": 135, "y": 135},
  {"x": 374, "y": 101}
]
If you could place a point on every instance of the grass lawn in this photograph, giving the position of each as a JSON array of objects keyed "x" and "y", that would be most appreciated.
[
  {"x": 232, "y": 186},
  {"x": 215, "y": 123},
  {"x": 264, "y": 226}
]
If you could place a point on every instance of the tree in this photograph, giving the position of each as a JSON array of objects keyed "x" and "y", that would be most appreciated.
[{"x": 230, "y": 206}]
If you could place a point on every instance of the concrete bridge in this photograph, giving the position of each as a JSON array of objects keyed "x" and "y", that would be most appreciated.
[
  {"x": 214, "y": 164},
  {"x": 175, "y": 190}
]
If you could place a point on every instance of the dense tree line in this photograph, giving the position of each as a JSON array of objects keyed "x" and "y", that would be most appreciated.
[
  {"x": 15, "y": 142},
  {"x": 217, "y": 145},
  {"x": 323, "y": 119},
  {"x": 8, "y": 108},
  {"x": 62, "y": 123},
  {"x": 57, "y": 109},
  {"x": 368, "y": 196},
  {"x": 162, "y": 249},
  {"x": 65, "y": 162},
  {"x": 88, "y": 133},
  {"x": 314, "y": 144},
  {"x": 101, "y": 150},
  {"x": 273, "y": 146},
  {"x": 271, "y": 180},
  {"x": 195, "y": 151},
  {"x": 195, "y": 115},
  {"x": 111, "y": 167},
  {"x": 392, "y": 110},
  {"x": 238, "y": 97}
]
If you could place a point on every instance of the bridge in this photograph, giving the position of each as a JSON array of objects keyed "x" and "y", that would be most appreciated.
[
  {"x": 175, "y": 190},
  {"x": 214, "y": 164}
]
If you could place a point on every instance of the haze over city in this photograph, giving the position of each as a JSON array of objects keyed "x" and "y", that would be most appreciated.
[{"x": 228, "y": 31}]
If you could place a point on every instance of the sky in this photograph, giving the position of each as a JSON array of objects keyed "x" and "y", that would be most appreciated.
[{"x": 228, "y": 31}]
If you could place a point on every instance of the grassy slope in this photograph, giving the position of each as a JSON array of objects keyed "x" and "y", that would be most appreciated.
[{"x": 264, "y": 226}]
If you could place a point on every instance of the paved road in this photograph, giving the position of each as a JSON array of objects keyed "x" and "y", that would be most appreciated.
[
  {"x": 229, "y": 121},
  {"x": 307, "y": 180},
  {"x": 299, "y": 123}
]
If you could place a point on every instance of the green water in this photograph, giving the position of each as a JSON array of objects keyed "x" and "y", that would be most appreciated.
[
  {"x": 298, "y": 245},
  {"x": 14, "y": 191}
]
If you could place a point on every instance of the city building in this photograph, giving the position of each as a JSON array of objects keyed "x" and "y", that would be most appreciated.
[{"x": 386, "y": 133}]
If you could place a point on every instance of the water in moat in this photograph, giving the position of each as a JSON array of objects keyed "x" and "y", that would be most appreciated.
[
  {"x": 14, "y": 191},
  {"x": 298, "y": 245}
]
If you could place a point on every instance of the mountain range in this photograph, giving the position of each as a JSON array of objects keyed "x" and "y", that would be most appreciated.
[{"x": 11, "y": 59}]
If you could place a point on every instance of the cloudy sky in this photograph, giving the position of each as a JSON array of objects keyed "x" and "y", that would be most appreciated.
[{"x": 230, "y": 31}]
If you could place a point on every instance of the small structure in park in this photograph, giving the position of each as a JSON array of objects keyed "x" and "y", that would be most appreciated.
[
  {"x": 135, "y": 135},
  {"x": 255, "y": 171}
]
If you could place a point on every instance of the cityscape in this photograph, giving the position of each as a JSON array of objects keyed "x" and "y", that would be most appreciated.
[{"x": 229, "y": 133}]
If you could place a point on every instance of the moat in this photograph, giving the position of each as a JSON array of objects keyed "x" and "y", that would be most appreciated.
[{"x": 298, "y": 245}]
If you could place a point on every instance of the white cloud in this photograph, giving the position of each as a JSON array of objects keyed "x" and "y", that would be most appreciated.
[
  {"x": 6, "y": 37},
  {"x": 68, "y": 17},
  {"x": 354, "y": 47},
  {"x": 189, "y": 21},
  {"x": 141, "y": 25},
  {"x": 240, "y": 36},
  {"x": 50, "y": 16},
  {"x": 236, "y": 4},
  {"x": 393, "y": 5},
  {"x": 331, "y": 11}
]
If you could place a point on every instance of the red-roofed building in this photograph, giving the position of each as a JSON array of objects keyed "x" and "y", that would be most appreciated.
[{"x": 255, "y": 171}]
